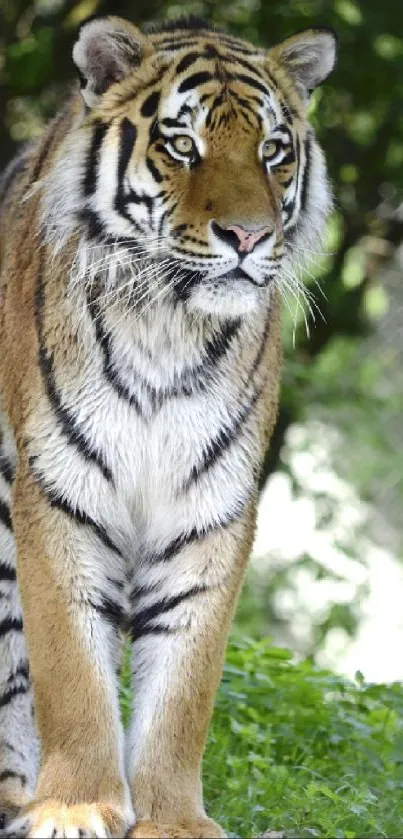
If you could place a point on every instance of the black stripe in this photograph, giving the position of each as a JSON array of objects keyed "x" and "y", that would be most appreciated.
[
  {"x": 218, "y": 101},
  {"x": 141, "y": 623},
  {"x": 150, "y": 104},
  {"x": 224, "y": 119},
  {"x": 247, "y": 105},
  {"x": 246, "y": 64},
  {"x": 169, "y": 44},
  {"x": 10, "y": 625},
  {"x": 161, "y": 224},
  {"x": 194, "y": 535},
  {"x": 8, "y": 775},
  {"x": 236, "y": 48},
  {"x": 187, "y": 61},
  {"x": 217, "y": 447},
  {"x": 93, "y": 158},
  {"x": 173, "y": 123},
  {"x": 254, "y": 71},
  {"x": 184, "y": 109},
  {"x": 185, "y": 282},
  {"x": 153, "y": 169},
  {"x": 5, "y": 517},
  {"x": 197, "y": 378},
  {"x": 195, "y": 80},
  {"x": 7, "y": 574},
  {"x": 21, "y": 672},
  {"x": 104, "y": 340},
  {"x": 289, "y": 113},
  {"x": 305, "y": 177},
  {"x": 113, "y": 612},
  {"x": 134, "y": 197},
  {"x": 64, "y": 417},
  {"x": 262, "y": 346},
  {"x": 6, "y": 469},
  {"x": 18, "y": 690},
  {"x": 288, "y": 158},
  {"x": 128, "y": 97},
  {"x": 67, "y": 421},
  {"x": 128, "y": 136},
  {"x": 176, "y": 545},
  {"x": 251, "y": 82},
  {"x": 217, "y": 346},
  {"x": 81, "y": 517},
  {"x": 211, "y": 52},
  {"x": 117, "y": 584},
  {"x": 77, "y": 515},
  {"x": 95, "y": 227},
  {"x": 248, "y": 119},
  {"x": 185, "y": 253},
  {"x": 288, "y": 182},
  {"x": 139, "y": 590}
]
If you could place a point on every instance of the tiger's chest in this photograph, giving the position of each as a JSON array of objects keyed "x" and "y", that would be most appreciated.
[
  {"x": 162, "y": 424},
  {"x": 173, "y": 428}
]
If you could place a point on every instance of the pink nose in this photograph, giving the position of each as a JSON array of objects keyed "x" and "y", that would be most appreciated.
[{"x": 247, "y": 238}]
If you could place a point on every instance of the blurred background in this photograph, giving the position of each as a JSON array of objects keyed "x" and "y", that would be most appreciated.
[{"x": 326, "y": 578}]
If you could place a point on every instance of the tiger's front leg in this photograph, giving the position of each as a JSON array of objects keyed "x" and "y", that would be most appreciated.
[
  {"x": 73, "y": 650},
  {"x": 183, "y": 604}
]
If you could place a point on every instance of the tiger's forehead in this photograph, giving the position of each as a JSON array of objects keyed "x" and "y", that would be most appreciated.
[
  {"x": 205, "y": 80},
  {"x": 214, "y": 81}
]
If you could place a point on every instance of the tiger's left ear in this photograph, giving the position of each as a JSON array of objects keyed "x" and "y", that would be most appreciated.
[
  {"x": 307, "y": 58},
  {"x": 106, "y": 50}
]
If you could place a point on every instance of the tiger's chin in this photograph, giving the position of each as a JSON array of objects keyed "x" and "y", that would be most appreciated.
[{"x": 229, "y": 299}]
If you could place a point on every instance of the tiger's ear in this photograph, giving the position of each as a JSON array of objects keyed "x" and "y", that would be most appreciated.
[
  {"x": 308, "y": 57},
  {"x": 106, "y": 50}
]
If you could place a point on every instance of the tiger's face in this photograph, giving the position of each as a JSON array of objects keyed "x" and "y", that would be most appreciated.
[{"x": 197, "y": 157}]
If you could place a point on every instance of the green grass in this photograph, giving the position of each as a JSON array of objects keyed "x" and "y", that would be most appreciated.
[{"x": 296, "y": 749}]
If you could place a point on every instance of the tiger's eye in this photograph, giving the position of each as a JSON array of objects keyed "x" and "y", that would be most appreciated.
[
  {"x": 270, "y": 149},
  {"x": 183, "y": 144}
]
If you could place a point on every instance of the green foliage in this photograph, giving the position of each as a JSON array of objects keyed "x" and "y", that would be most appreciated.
[{"x": 297, "y": 749}]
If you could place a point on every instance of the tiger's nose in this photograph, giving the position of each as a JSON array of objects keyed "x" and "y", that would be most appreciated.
[{"x": 240, "y": 238}]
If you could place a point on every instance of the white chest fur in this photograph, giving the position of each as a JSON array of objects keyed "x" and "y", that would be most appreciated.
[{"x": 167, "y": 403}]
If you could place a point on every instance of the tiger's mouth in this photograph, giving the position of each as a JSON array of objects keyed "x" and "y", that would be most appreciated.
[
  {"x": 238, "y": 273},
  {"x": 235, "y": 280}
]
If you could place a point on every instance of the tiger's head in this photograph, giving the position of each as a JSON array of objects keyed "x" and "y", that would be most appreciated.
[{"x": 194, "y": 162}]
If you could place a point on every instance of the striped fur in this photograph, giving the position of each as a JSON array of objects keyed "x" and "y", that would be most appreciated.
[{"x": 139, "y": 381}]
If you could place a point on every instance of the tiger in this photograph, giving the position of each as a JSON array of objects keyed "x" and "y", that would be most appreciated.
[{"x": 146, "y": 238}]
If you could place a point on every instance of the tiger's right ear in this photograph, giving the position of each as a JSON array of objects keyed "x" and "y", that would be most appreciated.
[{"x": 106, "y": 50}]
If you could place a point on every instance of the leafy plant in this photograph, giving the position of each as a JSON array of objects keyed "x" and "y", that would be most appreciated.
[{"x": 297, "y": 749}]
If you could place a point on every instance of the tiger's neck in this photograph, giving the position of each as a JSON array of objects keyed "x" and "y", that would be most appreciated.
[{"x": 134, "y": 307}]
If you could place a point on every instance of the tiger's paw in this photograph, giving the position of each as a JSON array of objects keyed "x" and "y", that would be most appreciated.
[
  {"x": 54, "y": 820},
  {"x": 194, "y": 829}
]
